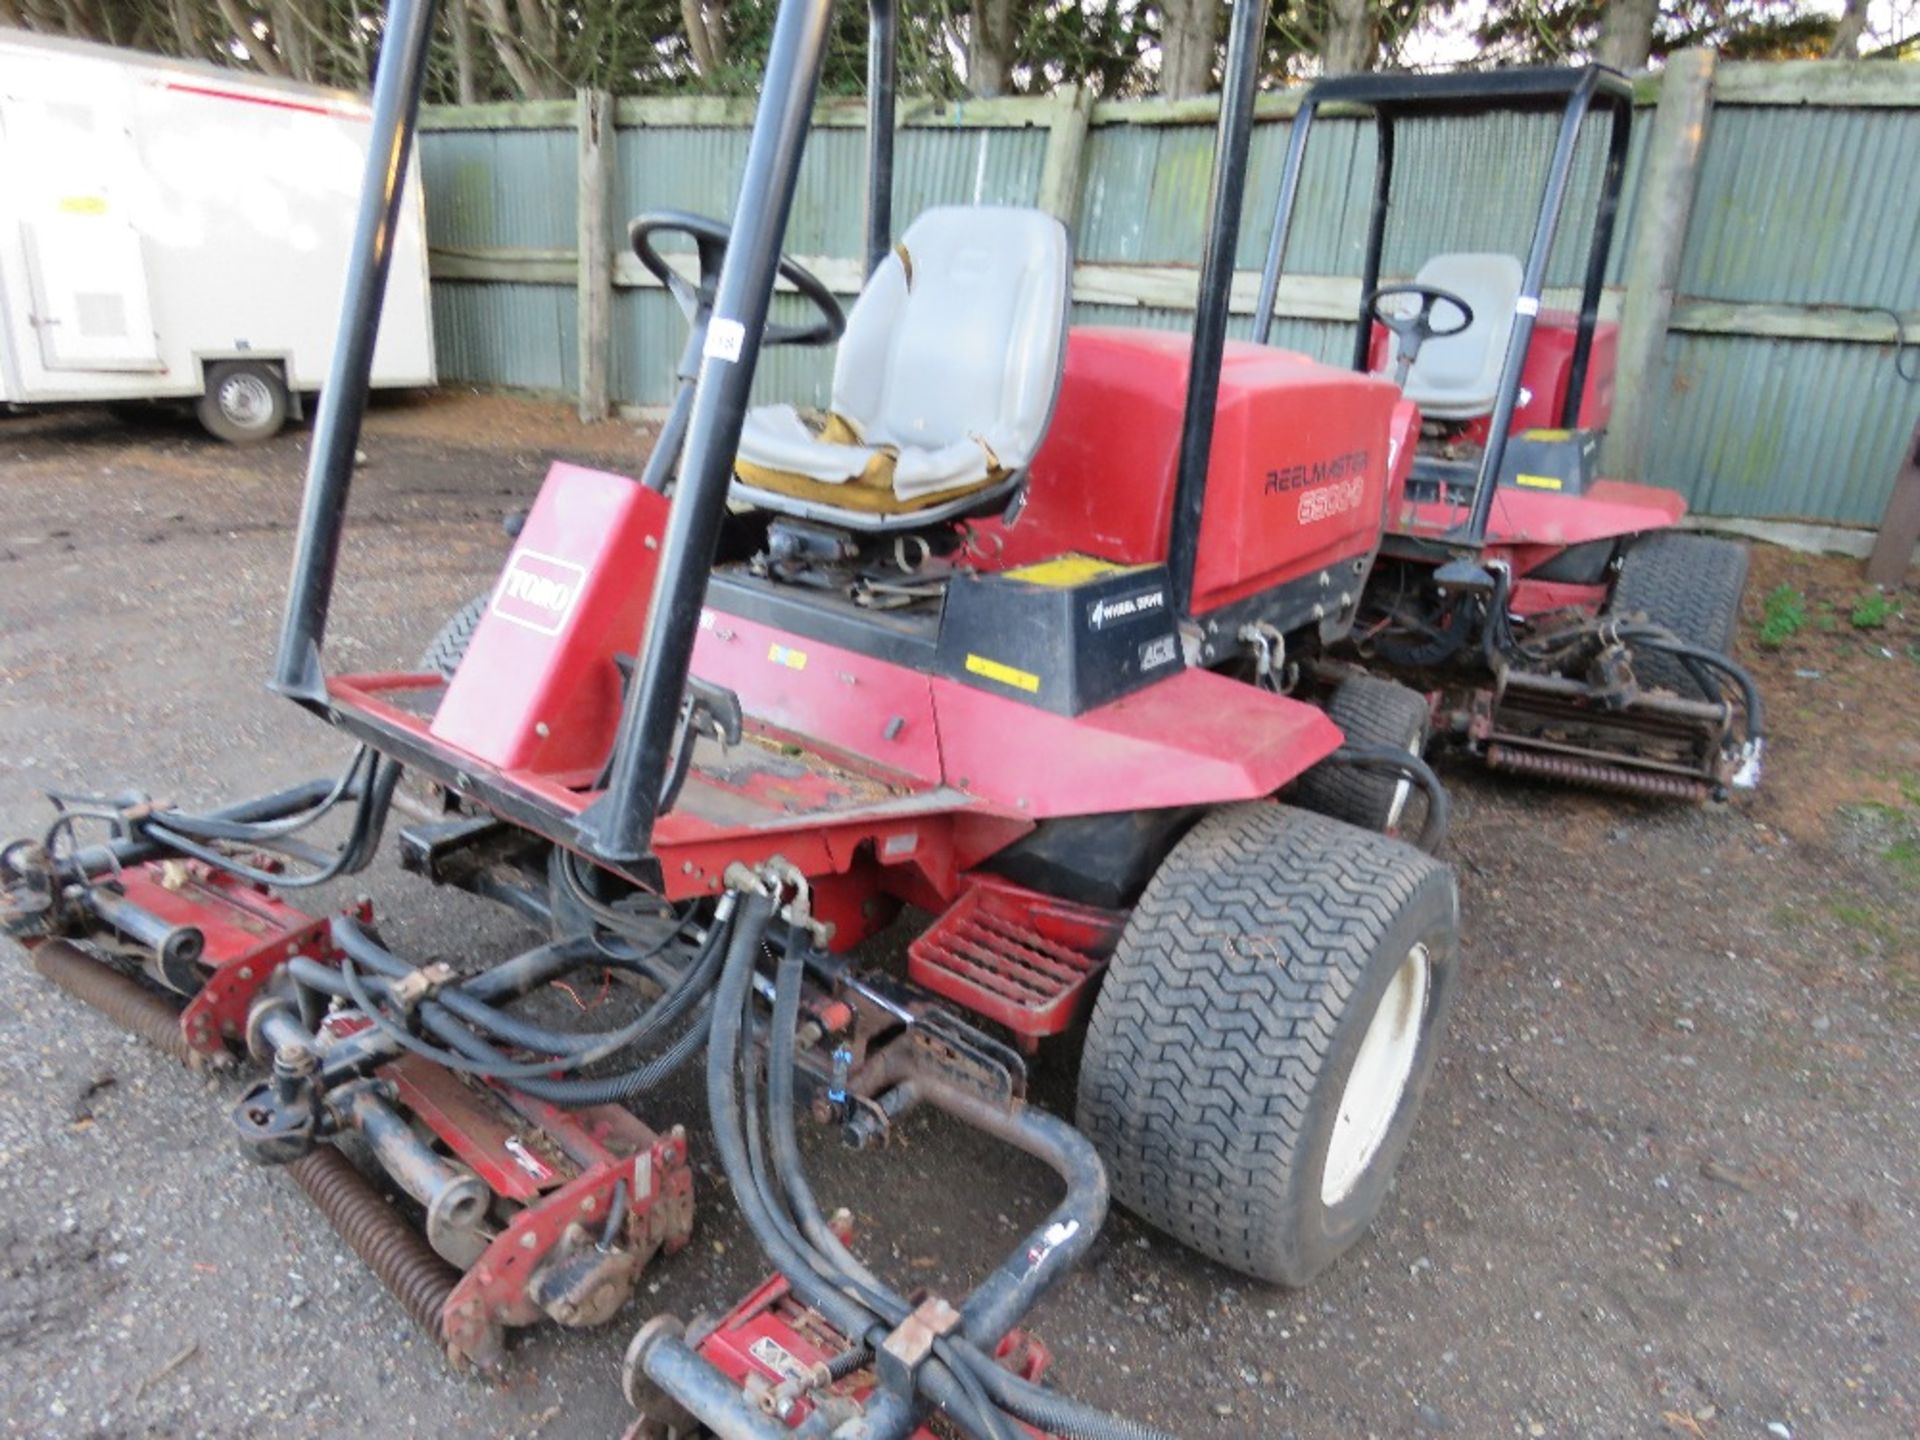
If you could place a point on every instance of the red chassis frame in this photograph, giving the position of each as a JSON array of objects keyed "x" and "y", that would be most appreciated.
[{"x": 872, "y": 778}]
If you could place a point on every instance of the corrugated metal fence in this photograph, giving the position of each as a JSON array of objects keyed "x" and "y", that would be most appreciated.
[{"x": 1777, "y": 395}]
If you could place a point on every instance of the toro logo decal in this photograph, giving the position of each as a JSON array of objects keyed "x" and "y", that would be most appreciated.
[{"x": 538, "y": 591}]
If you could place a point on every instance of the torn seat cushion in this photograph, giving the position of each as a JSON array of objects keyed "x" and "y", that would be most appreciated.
[{"x": 820, "y": 457}]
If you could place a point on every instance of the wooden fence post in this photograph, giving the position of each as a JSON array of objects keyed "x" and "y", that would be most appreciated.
[
  {"x": 1900, "y": 526},
  {"x": 1653, "y": 264},
  {"x": 1066, "y": 140},
  {"x": 593, "y": 252}
]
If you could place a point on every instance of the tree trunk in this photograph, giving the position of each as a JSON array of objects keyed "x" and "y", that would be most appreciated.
[
  {"x": 706, "y": 27},
  {"x": 528, "y": 81},
  {"x": 1348, "y": 45},
  {"x": 990, "y": 47},
  {"x": 460, "y": 23},
  {"x": 186, "y": 28},
  {"x": 1846, "y": 35},
  {"x": 1188, "y": 30},
  {"x": 1626, "y": 33},
  {"x": 290, "y": 40}
]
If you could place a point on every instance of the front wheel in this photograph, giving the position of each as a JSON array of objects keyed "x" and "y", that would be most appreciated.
[{"x": 1265, "y": 1033}]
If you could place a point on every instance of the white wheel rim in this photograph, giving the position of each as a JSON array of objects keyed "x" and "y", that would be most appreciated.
[
  {"x": 245, "y": 400},
  {"x": 1378, "y": 1081}
]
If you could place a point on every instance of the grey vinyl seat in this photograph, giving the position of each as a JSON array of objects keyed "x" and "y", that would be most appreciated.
[
  {"x": 1458, "y": 378},
  {"x": 944, "y": 383}
]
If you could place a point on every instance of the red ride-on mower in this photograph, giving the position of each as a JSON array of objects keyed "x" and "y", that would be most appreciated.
[
  {"x": 1002, "y": 636},
  {"x": 1572, "y": 632}
]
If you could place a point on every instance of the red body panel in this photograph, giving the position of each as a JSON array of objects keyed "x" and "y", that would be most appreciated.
[
  {"x": 1550, "y": 522},
  {"x": 537, "y": 689},
  {"x": 1545, "y": 376},
  {"x": 1298, "y": 477},
  {"x": 833, "y": 696},
  {"x": 1194, "y": 738}
]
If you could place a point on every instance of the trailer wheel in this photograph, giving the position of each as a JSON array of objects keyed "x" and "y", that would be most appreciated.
[
  {"x": 448, "y": 648},
  {"x": 1371, "y": 711},
  {"x": 1264, "y": 1034},
  {"x": 1691, "y": 584},
  {"x": 245, "y": 401}
]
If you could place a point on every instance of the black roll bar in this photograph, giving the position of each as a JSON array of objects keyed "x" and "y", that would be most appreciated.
[
  {"x": 882, "y": 64},
  {"x": 1226, "y": 193},
  {"x": 1573, "y": 92},
  {"x": 619, "y": 826},
  {"x": 397, "y": 82}
]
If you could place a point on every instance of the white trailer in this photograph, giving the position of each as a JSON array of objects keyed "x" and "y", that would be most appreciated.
[{"x": 173, "y": 229}]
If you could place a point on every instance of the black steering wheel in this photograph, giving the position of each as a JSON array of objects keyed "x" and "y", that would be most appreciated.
[
  {"x": 695, "y": 298},
  {"x": 1414, "y": 328}
]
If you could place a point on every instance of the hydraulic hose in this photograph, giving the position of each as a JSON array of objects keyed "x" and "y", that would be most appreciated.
[
  {"x": 1656, "y": 638},
  {"x": 846, "y": 1315},
  {"x": 358, "y": 851},
  {"x": 449, "y": 1016},
  {"x": 977, "y": 1382},
  {"x": 1393, "y": 761}
]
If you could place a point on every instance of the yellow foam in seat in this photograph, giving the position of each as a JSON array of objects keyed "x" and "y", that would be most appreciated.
[{"x": 871, "y": 491}]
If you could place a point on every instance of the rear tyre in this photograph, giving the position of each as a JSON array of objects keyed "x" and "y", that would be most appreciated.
[
  {"x": 1265, "y": 1032},
  {"x": 1692, "y": 585},
  {"x": 447, "y": 649},
  {"x": 245, "y": 401},
  {"x": 1369, "y": 711}
]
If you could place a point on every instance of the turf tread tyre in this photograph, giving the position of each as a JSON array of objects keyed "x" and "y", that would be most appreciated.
[
  {"x": 1691, "y": 584},
  {"x": 446, "y": 650},
  {"x": 1371, "y": 711},
  {"x": 1229, "y": 1018}
]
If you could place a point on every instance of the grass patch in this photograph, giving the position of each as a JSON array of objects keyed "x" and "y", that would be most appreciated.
[
  {"x": 1872, "y": 611},
  {"x": 1904, "y": 856},
  {"x": 1783, "y": 615}
]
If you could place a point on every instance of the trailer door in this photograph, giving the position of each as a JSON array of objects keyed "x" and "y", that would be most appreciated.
[{"x": 85, "y": 263}]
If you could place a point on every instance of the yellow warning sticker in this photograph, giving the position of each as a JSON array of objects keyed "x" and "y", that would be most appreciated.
[
  {"x": 1546, "y": 434},
  {"x": 83, "y": 205},
  {"x": 1063, "y": 572},
  {"x": 786, "y": 655},
  {"x": 1005, "y": 674},
  {"x": 1538, "y": 482}
]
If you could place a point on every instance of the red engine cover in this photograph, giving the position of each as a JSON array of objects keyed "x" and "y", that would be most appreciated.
[
  {"x": 1298, "y": 478},
  {"x": 538, "y": 688}
]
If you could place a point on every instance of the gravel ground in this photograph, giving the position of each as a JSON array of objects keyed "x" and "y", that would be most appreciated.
[{"x": 1665, "y": 1182}]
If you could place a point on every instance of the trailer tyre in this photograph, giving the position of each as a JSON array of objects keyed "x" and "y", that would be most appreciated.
[
  {"x": 1369, "y": 711},
  {"x": 1265, "y": 1032},
  {"x": 1692, "y": 585},
  {"x": 245, "y": 401},
  {"x": 448, "y": 648}
]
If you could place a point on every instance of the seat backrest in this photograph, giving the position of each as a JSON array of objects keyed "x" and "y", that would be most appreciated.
[
  {"x": 1458, "y": 378},
  {"x": 960, "y": 333}
]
